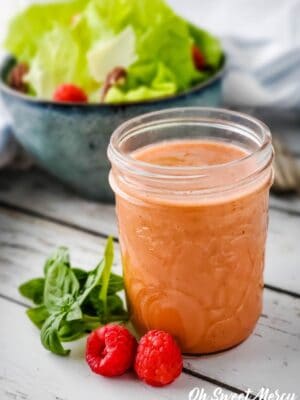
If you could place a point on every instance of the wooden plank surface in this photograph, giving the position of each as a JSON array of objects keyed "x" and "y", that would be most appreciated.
[
  {"x": 37, "y": 191},
  {"x": 28, "y": 372},
  {"x": 286, "y": 203},
  {"x": 271, "y": 354},
  {"x": 25, "y": 242},
  {"x": 283, "y": 251},
  {"x": 269, "y": 358},
  {"x": 40, "y": 194}
]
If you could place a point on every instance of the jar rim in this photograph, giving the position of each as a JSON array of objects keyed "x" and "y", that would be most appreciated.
[{"x": 139, "y": 123}]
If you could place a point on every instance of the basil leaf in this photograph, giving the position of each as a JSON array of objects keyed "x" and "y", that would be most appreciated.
[
  {"x": 116, "y": 284},
  {"x": 81, "y": 276},
  {"x": 124, "y": 317},
  {"x": 91, "y": 303},
  {"x": 93, "y": 280},
  {"x": 38, "y": 315},
  {"x": 116, "y": 310},
  {"x": 72, "y": 330},
  {"x": 72, "y": 302},
  {"x": 108, "y": 259},
  {"x": 115, "y": 304},
  {"x": 60, "y": 281},
  {"x": 95, "y": 307},
  {"x": 75, "y": 312},
  {"x": 90, "y": 322},
  {"x": 61, "y": 256},
  {"x": 50, "y": 336},
  {"x": 101, "y": 274},
  {"x": 33, "y": 290}
]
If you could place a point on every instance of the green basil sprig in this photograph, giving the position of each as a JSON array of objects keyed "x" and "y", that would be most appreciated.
[{"x": 71, "y": 302}]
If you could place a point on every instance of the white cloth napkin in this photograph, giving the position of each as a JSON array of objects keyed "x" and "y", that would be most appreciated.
[{"x": 262, "y": 42}]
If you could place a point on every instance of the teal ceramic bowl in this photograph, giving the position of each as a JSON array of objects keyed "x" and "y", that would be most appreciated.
[{"x": 70, "y": 141}]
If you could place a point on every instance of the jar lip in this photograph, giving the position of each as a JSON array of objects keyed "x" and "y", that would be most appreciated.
[{"x": 143, "y": 168}]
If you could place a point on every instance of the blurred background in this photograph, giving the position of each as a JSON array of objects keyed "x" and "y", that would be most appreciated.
[
  {"x": 262, "y": 39},
  {"x": 262, "y": 43}
]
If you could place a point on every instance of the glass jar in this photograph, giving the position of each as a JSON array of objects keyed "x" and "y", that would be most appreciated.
[{"x": 193, "y": 237}]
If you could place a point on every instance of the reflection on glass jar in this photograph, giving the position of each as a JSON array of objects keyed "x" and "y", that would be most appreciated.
[{"x": 192, "y": 189}]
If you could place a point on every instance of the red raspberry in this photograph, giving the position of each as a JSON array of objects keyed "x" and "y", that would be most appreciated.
[
  {"x": 110, "y": 350},
  {"x": 158, "y": 361},
  {"x": 198, "y": 57},
  {"x": 69, "y": 93}
]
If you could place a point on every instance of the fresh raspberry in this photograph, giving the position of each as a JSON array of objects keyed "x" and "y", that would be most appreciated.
[
  {"x": 158, "y": 361},
  {"x": 198, "y": 57},
  {"x": 70, "y": 94},
  {"x": 110, "y": 350}
]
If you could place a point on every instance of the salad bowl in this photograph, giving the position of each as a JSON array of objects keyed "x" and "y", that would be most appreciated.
[{"x": 70, "y": 140}]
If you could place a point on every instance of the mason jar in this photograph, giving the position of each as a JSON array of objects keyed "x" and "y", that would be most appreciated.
[{"x": 192, "y": 192}]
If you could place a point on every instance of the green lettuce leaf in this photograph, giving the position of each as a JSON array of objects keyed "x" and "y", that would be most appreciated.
[
  {"x": 163, "y": 46},
  {"x": 67, "y": 42},
  {"x": 136, "y": 89},
  {"x": 49, "y": 67},
  {"x": 164, "y": 63},
  {"x": 27, "y": 29}
]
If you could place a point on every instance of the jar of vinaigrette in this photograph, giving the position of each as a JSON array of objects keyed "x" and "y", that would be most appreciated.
[{"x": 192, "y": 191}]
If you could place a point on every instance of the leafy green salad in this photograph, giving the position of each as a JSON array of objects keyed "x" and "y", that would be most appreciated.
[{"x": 113, "y": 51}]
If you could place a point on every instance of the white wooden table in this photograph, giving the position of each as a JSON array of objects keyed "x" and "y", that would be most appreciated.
[{"x": 38, "y": 214}]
